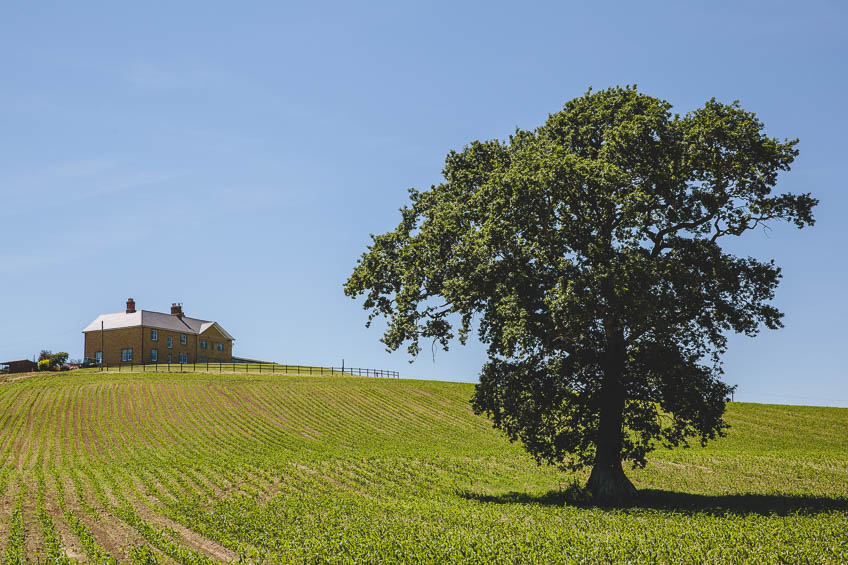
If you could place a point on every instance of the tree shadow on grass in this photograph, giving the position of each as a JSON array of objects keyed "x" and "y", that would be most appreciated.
[{"x": 687, "y": 503}]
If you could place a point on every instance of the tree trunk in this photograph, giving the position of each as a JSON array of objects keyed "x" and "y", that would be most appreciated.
[{"x": 608, "y": 483}]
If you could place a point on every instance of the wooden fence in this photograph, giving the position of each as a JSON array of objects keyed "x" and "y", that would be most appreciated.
[{"x": 269, "y": 368}]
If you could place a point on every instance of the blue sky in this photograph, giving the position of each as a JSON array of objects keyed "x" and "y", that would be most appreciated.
[{"x": 235, "y": 157}]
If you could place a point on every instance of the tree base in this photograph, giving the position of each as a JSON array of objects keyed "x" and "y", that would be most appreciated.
[{"x": 609, "y": 485}]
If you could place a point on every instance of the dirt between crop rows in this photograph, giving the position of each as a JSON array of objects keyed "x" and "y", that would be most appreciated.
[
  {"x": 187, "y": 537},
  {"x": 16, "y": 377},
  {"x": 110, "y": 532}
]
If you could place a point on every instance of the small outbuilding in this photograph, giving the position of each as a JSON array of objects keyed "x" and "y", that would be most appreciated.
[{"x": 20, "y": 366}]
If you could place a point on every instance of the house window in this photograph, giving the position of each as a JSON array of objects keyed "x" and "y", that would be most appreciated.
[
  {"x": 170, "y": 359},
  {"x": 202, "y": 344},
  {"x": 99, "y": 356},
  {"x": 126, "y": 355},
  {"x": 170, "y": 342},
  {"x": 154, "y": 335},
  {"x": 183, "y": 357},
  {"x": 183, "y": 339},
  {"x": 154, "y": 355},
  {"x": 220, "y": 347},
  {"x": 202, "y": 360}
]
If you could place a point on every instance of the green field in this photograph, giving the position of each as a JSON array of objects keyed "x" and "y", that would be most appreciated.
[{"x": 195, "y": 468}]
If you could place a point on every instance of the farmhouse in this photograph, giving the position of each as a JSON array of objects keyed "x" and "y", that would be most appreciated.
[{"x": 143, "y": 336}]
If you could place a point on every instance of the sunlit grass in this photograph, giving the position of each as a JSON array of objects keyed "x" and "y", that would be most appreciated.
[{"x": 201, "y": 467}]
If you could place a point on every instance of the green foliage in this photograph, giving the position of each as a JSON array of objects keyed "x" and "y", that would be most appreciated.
[
  {"x": 16, "y": 548},
  {"x": 49, "y": 361},
  {"x": 142, "y": 555},
  {"x": 588, "y": 251},
  {"x": 58, "y": 359}
]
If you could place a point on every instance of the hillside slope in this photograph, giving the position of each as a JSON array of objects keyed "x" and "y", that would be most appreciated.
[{"x": 199, "y": 468}]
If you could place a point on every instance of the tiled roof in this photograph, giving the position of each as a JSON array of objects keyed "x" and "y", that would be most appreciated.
[{"x": 154, "y": 320}]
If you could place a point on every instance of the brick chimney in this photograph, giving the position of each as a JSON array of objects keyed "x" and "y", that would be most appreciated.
[
  {"x": 177, "y": 310},
  {"x": 130, "y": 305}
]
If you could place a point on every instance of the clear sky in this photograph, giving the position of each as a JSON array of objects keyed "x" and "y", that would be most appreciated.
[{"x": 236, "y": 156}]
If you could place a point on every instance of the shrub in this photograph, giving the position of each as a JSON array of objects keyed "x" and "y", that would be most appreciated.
[{"x": 58, "y": 359}]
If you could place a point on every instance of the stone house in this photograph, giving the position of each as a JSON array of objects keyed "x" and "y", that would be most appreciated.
[{"x": 144, "y": 336}]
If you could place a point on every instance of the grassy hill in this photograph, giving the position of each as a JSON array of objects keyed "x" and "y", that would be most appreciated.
[{"x": 198, "y": 468}]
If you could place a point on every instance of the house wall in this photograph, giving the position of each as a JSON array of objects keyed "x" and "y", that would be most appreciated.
[
  {"x": 162, "y": 345},
  {"x": 113, "y": 342},
  {"x": 140, "y": 341},
  {"x": 211, "y": 354}
]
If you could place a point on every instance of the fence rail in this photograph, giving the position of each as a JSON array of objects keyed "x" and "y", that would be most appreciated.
[{"x": 269, "y": 368}]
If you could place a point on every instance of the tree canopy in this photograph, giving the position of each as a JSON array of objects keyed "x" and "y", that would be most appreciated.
[
  {"x": 587, "y": 254},
  {"x": 48, "y": 360}
]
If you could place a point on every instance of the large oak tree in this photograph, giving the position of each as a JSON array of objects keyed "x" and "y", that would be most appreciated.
[{"x": 588, "y": 255}]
